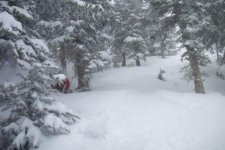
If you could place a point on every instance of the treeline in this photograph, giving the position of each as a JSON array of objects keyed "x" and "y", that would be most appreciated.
[{"x": 201, "y": 30}]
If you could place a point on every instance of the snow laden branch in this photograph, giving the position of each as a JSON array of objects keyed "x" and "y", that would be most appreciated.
[{"x": 33, "y": 113}]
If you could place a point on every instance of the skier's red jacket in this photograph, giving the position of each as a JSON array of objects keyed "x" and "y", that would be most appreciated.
[{"x": 66, "y": 85}]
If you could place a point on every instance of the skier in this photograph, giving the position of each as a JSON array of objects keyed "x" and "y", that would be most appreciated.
[
  {"x": 62, "y": 83},
  {"x": 66, "y": 85}
]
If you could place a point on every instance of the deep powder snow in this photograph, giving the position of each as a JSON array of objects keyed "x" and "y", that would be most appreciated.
[{"x": 130, "y": 109}]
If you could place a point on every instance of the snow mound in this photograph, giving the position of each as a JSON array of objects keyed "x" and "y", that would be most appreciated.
[{"x": 96, "y": 128}]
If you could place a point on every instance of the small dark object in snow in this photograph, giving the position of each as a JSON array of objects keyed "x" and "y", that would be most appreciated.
[{"x": 160, "y": 75}]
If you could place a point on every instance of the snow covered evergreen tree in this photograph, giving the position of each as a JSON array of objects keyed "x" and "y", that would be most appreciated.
[
  {"x": 190, "y": 19},
  {"x": 80, "y": 33},
  {"x": 17, "y": 47},
  {"x": 28, "y": 100},
  {"x": 159, "y": 36},
  {"x": 32, "y": 110},
  {"x": 213, "y": 30},
  {"x": 140, "y": 31},
  {"x": 129, "y": 42}
]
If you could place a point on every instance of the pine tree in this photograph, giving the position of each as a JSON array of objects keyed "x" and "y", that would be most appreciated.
[
  {"x": 214, "y": 28},
  {"x": 80, "y": 34},
  {"x": 28, "y": 100},
  {"x": 129, "y": 42},
  {"x": 32, "y": 111},
  {"x": 18, "y": 48},
  {"x": 188, "y": 16}
]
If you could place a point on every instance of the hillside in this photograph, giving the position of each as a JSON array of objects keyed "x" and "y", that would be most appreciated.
[{"x": 130, "y": 109}]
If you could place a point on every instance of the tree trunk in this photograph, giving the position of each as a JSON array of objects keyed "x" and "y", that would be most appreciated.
[
  {"x": 199, "y": 87},
  {"x": 218, "y": 58},
  {"x": 223, "y": 59},
  {"x": 138, "y": 63},
  {"x": 163, "y": 46},
  {"x": 162, "y": 53},
  {"x": 124, "y": 59},
  {"x": 63, "y": 58},
  {"x": 83, "y": 80}
]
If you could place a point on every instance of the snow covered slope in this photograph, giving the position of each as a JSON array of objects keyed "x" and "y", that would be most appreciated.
[{"x": 130, "y": 109}]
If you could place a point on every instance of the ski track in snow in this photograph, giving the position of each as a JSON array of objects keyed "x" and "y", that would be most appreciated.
[{"x": 130, "y": 109}]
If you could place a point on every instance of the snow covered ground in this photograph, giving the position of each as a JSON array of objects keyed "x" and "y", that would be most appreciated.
[{"x": 130, "y": 109}]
